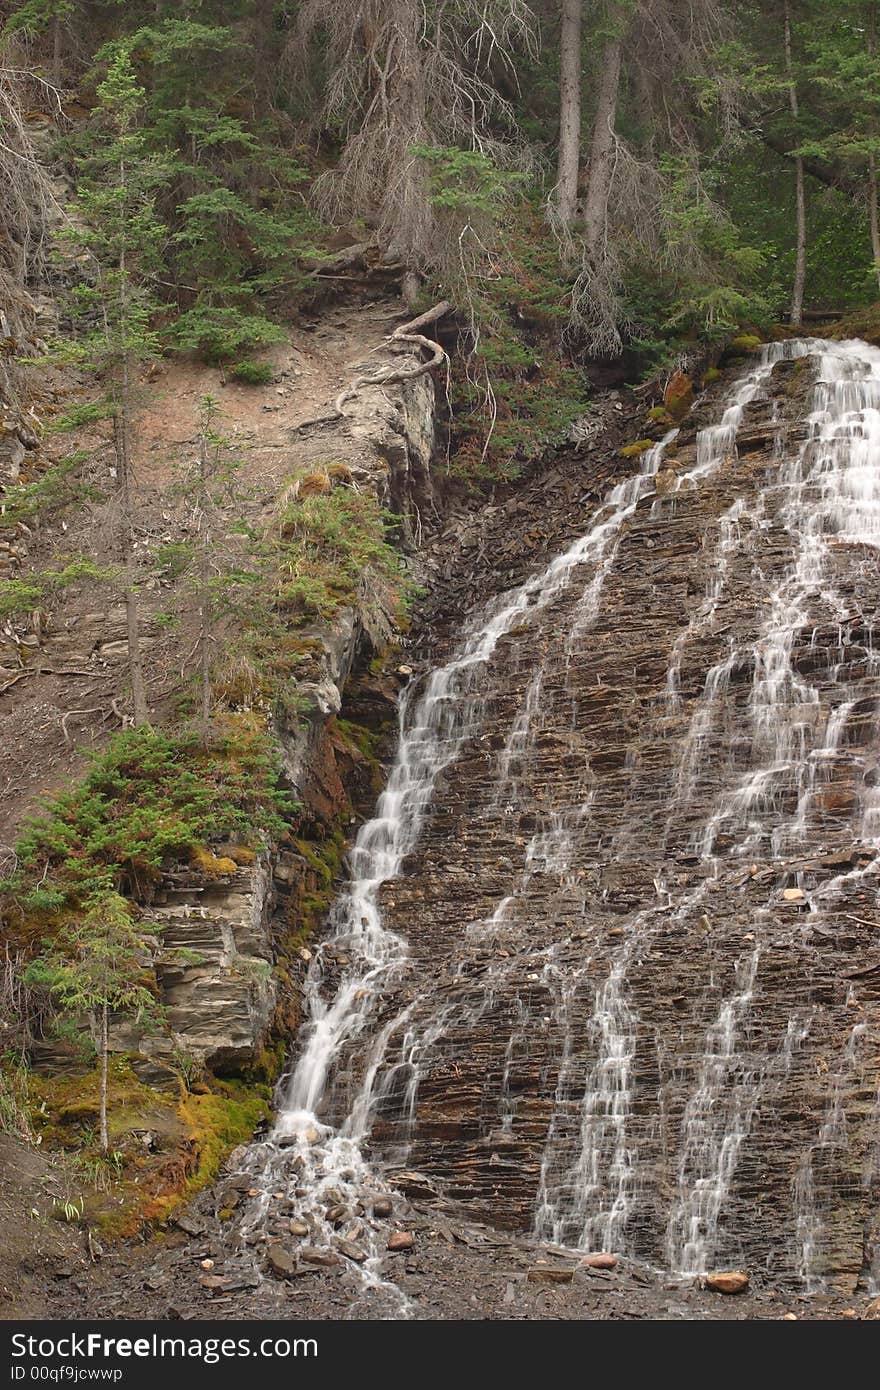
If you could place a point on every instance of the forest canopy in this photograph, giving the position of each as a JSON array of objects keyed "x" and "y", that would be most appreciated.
[{"x": 623, "y": 178}]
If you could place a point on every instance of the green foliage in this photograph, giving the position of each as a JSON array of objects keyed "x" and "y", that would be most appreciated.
[
  {"x": 251, "y": 372},
  {"x": 221, "y": 333},
  {"x": 20, "y": 596},
  {"x": 55, "y": 490},
  {"x": 82, "y": 413},
  {"x": 517, "y": 395},
  {"x": 117, "y": 234},
  {"x": 235, "y": 225},
  {"x": 36, "y": 16},
  {"x": 328, "y": 547},
  {"x": 328, "y": 541},
  {"x": 95, "y": 961},
  {"x": 466, "y": 181},
  {"x": 148, "y": 800}
]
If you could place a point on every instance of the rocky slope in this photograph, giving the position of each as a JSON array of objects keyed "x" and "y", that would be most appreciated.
[{"x": 636, "y": 1013}]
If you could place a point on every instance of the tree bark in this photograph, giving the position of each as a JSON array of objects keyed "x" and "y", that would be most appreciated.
[
  {"x": 602, "y": 145},
  {"x": 800, "y": 269},
  {"x": 56, "y": 51},
  {"x": 568, "y": 164},
  {"x": 872, "y": 159},
  {"x": 204, "y": 592},
  {"x": 105, "y": 1049},
  {"x": 875, "y": 213},
  {"x": 123, "y": 461},
  {"x": 130, "y": 598}
]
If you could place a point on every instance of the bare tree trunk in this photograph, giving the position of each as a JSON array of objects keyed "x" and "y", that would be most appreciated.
[
  {"x": 568, "y": 164},
  {"x": 800, "y": 269},
  {"x": 204, "y": 592},
  {"x": 872, "y": 160},
  {"x": 56, "y": 51},
  {"x": 602, "y": 145},
  {"x": 875, "y": 213},
  {"x": 130, "y": 598},
  {"x": 105, "y": 1049},
  {"x": 123, "y": 459}
]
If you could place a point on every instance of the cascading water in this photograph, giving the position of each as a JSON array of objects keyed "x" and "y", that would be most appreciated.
[{"x": 558, "y": 979}]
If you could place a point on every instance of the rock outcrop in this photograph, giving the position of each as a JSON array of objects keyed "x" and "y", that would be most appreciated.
[{"x": 219, "y": 937}]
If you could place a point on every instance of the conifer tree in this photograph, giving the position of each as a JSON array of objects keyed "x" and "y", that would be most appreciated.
[
  {"x": 94, "y": 966},
  {"x": 121, "y": 237}
]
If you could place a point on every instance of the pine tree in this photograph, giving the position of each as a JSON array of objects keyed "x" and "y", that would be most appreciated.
[
  {"x": 210, "y": 574},
  {"x": 121, "y": 238},
  {"x": 94, "y": 966},
  {"x": 231, "y": 201}
]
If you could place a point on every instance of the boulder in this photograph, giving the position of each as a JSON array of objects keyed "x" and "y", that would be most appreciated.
[
  {"x": 727, "y": 1281},
  {"x": 401, "y": 1240}
]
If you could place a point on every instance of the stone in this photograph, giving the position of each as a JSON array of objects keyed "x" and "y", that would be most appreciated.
[
  {"x": 192, "y": 1225},
  {"x": 727, "y": 1281},
  {"x": 351, "y": 1251},
  {"x": 298, "y": 1228},
  {"x": 793, "y": 895},
  {"x": 401, "y": 1240},
  {"x": 603, "y": 1259},
  {"x": 382, "y": 1206},
  {"x": 281, "y": 1262},
  {"x": 207, "y": 1264},
  {"x": 872, "y": 1312},
  {"x": 325, "y": 1259},
  {"x": 550, "y": 1274},
  {"x": 212, "y": 1281}
]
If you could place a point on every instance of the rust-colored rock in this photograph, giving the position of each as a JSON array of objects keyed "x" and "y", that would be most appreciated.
[
  {"x": 401, "y": 1240},
  {"x": 728, "y": 1281}
]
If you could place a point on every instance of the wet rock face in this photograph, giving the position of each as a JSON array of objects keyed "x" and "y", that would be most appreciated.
[{"x": 615, "y": 1026}]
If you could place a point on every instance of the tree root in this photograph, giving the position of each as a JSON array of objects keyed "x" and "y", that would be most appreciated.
[
  {"x": 71, "y": 713},
  {"x": 406, "y": 335}
]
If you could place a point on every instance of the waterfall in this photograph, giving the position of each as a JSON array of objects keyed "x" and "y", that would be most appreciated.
[{"x": 635, "y": 1098}]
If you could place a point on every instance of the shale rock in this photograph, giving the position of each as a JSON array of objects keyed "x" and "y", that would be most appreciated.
[{"x": 281, "y": 1262}]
